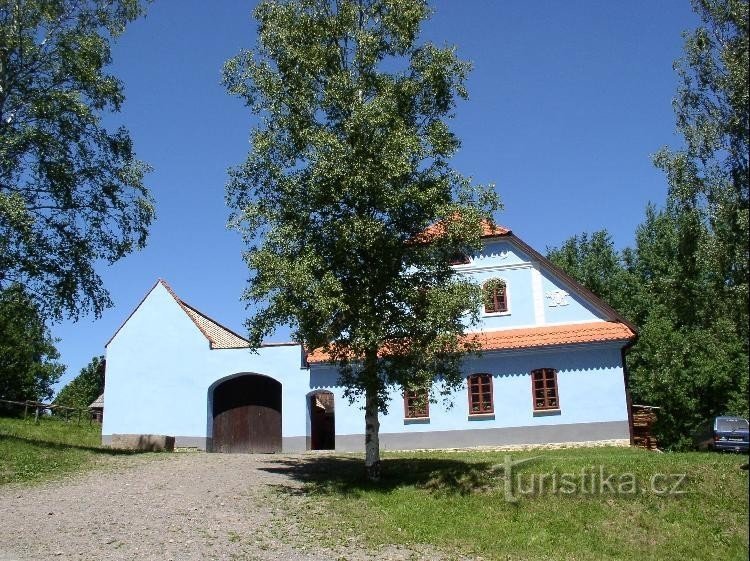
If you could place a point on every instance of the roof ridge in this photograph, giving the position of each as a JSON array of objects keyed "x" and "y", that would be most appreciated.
[
  {"x": 213, "y": 338},
  {"x": 135, "y": 309},
  {"x": 182, "y": 305},
  {"x": 490, "y": 229}
]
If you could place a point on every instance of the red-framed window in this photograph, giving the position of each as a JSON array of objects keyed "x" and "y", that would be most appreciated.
[
  {"x": 480, "y": 394},
  {"x": 544, "y": 389},
  {"x": 416, "y": 404},
  {"x": 495, "y": 294}
]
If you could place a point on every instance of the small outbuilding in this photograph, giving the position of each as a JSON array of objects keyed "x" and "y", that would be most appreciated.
[{"x": 97, "y": 409}]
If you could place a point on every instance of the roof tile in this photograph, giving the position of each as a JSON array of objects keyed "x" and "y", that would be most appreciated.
[
  {"x": 438, "y": 228},
  {"x": 219, "y": 336},
  {"x": 536, "y": 337}
]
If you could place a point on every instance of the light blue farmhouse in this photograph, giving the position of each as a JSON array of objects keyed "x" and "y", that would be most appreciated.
[{"x": 551, "y": 371}]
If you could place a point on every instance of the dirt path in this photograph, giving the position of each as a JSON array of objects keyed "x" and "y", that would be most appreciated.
[{"x": 184, "y": 506}]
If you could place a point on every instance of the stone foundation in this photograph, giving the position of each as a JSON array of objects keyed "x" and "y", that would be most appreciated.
[{"x": 145, "y": 442}]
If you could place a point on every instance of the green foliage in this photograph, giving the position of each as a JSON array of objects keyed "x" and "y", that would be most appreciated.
[
  {"x": 689, "y": 359},
  {"x": 349, "y": 163},
  {"x": 594, "y": 262},
  {"x": 709, "y": 178},
  {"x": 27, "y": 351},
  {"x": 85, "y": 387},
  {"x": 685, "y": 284},
  {"x": 71, "y": 191},
  {"x": 695, "y": 252}
]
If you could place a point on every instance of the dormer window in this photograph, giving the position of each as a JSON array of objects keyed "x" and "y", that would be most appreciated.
[{"x": 495, "y": 294}]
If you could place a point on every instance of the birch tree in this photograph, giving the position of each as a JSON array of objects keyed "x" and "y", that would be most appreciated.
[{"x": 349, "y": 163}]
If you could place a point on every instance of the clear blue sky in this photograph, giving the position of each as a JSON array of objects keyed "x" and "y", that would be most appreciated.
[{"x": 567, "y": 102}]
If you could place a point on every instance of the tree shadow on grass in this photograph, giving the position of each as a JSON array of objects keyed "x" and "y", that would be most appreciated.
[
  {"x": 346, "y": 475},
  {"x": 63, "y": 446}
]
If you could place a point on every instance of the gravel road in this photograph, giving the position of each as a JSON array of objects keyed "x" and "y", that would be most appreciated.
[{"x": 182, "y": 506}]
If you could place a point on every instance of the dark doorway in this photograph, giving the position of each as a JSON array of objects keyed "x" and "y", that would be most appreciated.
[
  {"x": 247, "y": 415},
  {"x": 322, "y": 421}
]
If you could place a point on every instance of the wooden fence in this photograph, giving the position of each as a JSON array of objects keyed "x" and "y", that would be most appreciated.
[{"x": 38, "y": 408}]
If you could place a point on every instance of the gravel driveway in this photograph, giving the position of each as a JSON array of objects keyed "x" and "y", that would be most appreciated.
[{"x": 182, "y": 506}]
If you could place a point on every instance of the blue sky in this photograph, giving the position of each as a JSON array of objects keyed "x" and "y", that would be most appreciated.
[{"x": 568, "y": 100}]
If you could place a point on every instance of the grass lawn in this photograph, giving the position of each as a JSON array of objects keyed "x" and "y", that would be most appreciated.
[
  {"x": 32, "y": 451},
  {"x": 654, "y": 506}
]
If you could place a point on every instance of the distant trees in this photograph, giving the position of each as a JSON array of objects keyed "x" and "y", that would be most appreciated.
[
  {"x": 685, "y": 284},
  {"x": 71, "y": 191},
  {"x": 84, "y": 388},
  {"x": 350, "y": 162},
  {"x": 28, "y": 367},
  {"x": 687, "y": 360},
  {"x": 594, "y": 262}
]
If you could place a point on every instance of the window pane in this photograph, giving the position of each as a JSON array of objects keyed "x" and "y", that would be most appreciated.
[
  {"x": 544, "y": 388},
  {"x": 480, "y": 393}
]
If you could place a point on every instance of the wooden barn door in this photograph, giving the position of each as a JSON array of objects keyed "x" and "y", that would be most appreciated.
[
  {"x": 247, "y": 415},
  {"x": 322, "y": 421}
]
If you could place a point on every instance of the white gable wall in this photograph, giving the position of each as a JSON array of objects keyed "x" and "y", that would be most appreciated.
[
  {"x": 160, "y": 373},
  {"x": 535, "y": 296}
]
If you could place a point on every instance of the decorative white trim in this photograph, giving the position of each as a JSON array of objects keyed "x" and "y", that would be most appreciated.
[
  {"x": 551, "y": 349},
  {"x": 504, "y": 254},
  {"x": 531, "y": 326},
  {"x": 558, "y": 298},
  {"x": 471, "y": 268},
  {"x": 537, "y": 295},
  {"x": 495, "y": 314}
]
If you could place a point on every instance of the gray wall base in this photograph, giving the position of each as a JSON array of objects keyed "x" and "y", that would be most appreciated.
[
  {"x": 539, "y": 434},
  {"x": 508, "y": 436}
]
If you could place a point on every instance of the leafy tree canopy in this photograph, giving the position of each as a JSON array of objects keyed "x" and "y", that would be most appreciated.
[
  {"x": 688, "y": 360},
  {"x": 594, "y": 262},
  {"x": 82, "y": 390},
  {"x": 685, "y": 284},
  {"x": 71, "y": 191},
  {"x": 708, "y": 177},
  {"x": 349, "y": 163},
  {"x": 28, "y": 366}
]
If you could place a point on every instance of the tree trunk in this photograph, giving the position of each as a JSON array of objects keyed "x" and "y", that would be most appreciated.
[
  {"x": 372, "y": 423},
  {"x": 372, "y": 437}
]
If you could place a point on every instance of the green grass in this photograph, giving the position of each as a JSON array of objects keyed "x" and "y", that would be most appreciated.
[
  {"x": 31, "y": 452},
  {"x": 457, "y": 502}
]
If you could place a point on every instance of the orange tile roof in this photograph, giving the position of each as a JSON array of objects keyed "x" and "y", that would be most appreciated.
[
  {"x": 535, "y": 337},
  {"x": 553, "y": 335},
  {"x": 436, "y": 230}
]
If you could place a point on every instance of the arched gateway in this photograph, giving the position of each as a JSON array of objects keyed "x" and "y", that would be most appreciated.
[{"x": 247, "y": 415}]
